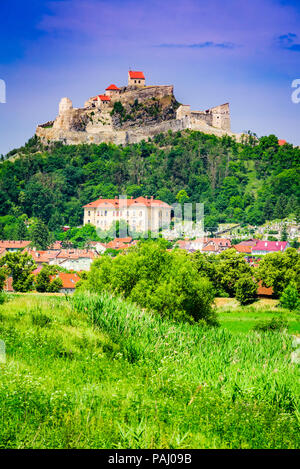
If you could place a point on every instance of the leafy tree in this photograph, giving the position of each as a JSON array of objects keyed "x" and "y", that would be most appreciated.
[
  {"x": 43, "y": 282},
  {"x": 290, "y": 297},
  {"x": 158, "y": 280},
  {"x": 2, "y": 278},
  {"x": 246, "y": 290},
  {"x": 284, "y": 234},
  {"x": 40, "y": 235},
  {"x": 182, "y": 197},
  {"x": 55, "y": 285},
  {"x": 21, "y": 230},
  {"x": 230, "y": 267},
  {"x": 278, "y": 269},
  {"x": 20, "y": 266}
]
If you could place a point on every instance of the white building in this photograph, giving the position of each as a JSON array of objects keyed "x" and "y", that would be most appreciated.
[{"x": 141, "y": 214}]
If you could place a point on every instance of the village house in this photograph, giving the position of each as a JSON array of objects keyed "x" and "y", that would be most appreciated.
[
  {"x": 74, "y": 259},
  {"x": 14, "y": 246},
  {"x": 141, "y": 214},
  {"x": 69, "y": 281},
  {"x": 265, "y": 247},
  {"x": 205, "y": 245}
]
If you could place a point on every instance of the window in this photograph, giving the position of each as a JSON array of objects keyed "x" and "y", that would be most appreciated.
[
  {"x": 105, "y": 213},
  {"x": 141, "y": 213},
  {"x": 89, "y": 213},
  {"x": 89, "y": 221}
]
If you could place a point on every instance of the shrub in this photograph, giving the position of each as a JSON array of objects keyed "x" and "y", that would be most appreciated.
[
  {"x": 290, "y": 297},
  {"x": 246, "y": 290},
  {"x": 3, "y": 297},
  {"x": 275, "y": 324},
  {"x": 167, "y": 283}
]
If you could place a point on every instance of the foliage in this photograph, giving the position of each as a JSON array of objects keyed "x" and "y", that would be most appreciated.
[
  {"x": 290, "y": 297},
  {"x": 43, "y": 282},
  {"x": 230, "y": 267},
  {"x": 246, "y": 290},
  {"x": 2, "y": 278},
  {"x": 40, "y": 235},
  {"x": 275, "y": 324},
  {"x": 278, "y": 269},
  {"x": 20, "y": 266},
  {"x": 237, "y": 182},
  {"x": 157, "y": 280}
]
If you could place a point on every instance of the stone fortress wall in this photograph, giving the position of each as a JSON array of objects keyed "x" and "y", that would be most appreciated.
[{"x": 94, "y": 124}]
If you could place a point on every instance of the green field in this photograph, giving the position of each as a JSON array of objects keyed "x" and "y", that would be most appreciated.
[{"x": 97, "y": 372}]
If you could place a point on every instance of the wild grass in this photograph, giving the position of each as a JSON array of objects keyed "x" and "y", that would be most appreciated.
[{"x": 96, "y": 372}]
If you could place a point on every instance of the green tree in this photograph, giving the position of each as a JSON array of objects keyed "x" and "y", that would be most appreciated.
[
  {"x": 20, "y": 266},
  {"x": 246, "y": 290},
  {"x": 161, "y": 281},
  {"x": 40, "y": 235},
  {"x": 290, "y": 297},
  {"x": 21, "y": 230},
  {"x": 2, "y": 278},
  {"x": 284, "y": 234},
  {"x": 230, "y": 267},
  {"x": 278, "y": 269}
]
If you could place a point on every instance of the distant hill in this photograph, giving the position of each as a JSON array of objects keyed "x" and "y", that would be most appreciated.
[{"x": 247, "y": 182}]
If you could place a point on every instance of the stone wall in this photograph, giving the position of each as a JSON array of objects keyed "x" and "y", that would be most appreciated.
[{"x": 124, "y": 137}]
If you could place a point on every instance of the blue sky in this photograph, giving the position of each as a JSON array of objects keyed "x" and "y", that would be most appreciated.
[{"x": 247, "y": 53}]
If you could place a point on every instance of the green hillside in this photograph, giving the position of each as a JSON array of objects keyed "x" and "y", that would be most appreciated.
[{"x": 246, "y": 182}]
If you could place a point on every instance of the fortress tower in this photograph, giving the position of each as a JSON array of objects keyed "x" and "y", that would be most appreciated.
[{"x": 136, "y": 78}]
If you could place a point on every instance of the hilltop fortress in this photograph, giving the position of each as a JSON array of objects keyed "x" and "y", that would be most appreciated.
[{"x": 130, "y": 114}]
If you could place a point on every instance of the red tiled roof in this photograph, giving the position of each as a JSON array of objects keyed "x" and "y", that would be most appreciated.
[
  {"x": 68, "y": 280},
  {"x": 270, "y": 246},
  {"x": 76, "y": 254},
  {"x": 42, "y": 257},
  {"x": 210, "y": 248},
  {"x": 281, "y": 142},
  {"x": 248, "y": 242},
  {"x": 14, "y": 244},
  {"x": 123, "y": 203},
  {"x": 56, "y": 245},
  {"x": 242, "y": 248},
  {"x": 136, "y": 75},
  {"x": 112, "y": 87},
  {"x": 103, "y": 97},
  {"x": 121, "y": 243}
]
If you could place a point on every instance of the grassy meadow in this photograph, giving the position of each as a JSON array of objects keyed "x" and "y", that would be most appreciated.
[{"x": 97, "y": 372}]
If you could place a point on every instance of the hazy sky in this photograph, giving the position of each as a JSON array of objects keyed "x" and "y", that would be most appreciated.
[{"x": 241, "y": 51}]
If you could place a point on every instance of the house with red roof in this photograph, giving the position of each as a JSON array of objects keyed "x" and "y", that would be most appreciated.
[
  {"x": 266, "y": 247},
  {"x": 69, "y": 281},
  {"x": 14, "y": 246},
  {"x": 141, "y": 214},
  {"x": 112, "y": 91},
  {"x": 136, "y": 78},
  {"x": 74, "y": 259}
]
